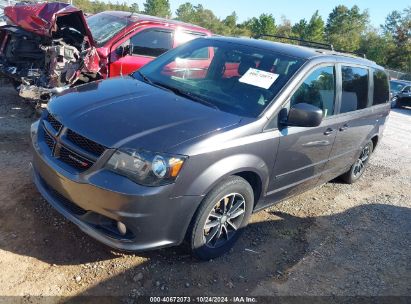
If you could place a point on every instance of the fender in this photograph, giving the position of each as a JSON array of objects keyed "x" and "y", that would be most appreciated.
[{"x": 225, "y": 167}]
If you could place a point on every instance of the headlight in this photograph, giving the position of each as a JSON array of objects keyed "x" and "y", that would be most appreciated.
[{"x": 146, "y": 168}]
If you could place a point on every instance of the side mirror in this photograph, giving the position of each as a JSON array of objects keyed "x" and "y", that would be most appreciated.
[{"x": 304, "y": 115}]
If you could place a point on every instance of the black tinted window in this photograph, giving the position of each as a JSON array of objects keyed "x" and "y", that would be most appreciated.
[
  {"x": 381, "y": 91},
  {"x": 318, "y": 89},
  {"x": 152, "y": 42},
  {"x": 354, "y": 89}
]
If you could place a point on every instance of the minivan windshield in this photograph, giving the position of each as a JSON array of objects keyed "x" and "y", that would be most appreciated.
[
  {"x": 104, "y": 26},
  {"x": 231, "y": 77}
]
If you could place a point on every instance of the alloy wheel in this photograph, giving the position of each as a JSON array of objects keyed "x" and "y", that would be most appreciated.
[
  {"x": 224, "y": 220},
  {"x": 359, "y": 165}
]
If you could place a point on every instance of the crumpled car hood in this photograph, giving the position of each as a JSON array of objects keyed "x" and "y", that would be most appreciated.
[
  {"x": 40, "y": 18},
  {"x": 124, "y": 112}
]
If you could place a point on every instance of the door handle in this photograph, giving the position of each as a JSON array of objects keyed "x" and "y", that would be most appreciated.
[
  {"x": 328, "y": 131},
  {"x": 344, "y": 127}
]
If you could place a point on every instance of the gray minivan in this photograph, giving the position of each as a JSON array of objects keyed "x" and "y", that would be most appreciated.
[{"x": 189, "y": 146}]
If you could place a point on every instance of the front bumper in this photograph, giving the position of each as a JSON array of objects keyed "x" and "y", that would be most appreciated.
[{"x": 96, "y": 201}]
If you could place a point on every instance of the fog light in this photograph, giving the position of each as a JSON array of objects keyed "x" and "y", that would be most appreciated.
[{"x": 121, "y": 228}]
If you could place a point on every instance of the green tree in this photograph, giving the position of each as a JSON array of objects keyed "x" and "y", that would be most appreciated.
[
  {"x": 186, "y": 12},
  {"x": 134, "y": 7},
  {"x": 244, "y": 28},
  {"x": 345, "y": 27},
  {"x": 376, "y": 47},
  {"x": 397, "y": 27},
  {"x": 265, "y": 24},
  {"x": 231, "y": 20},
  {"x": 315, "y": 28},
  {"x": 207, "y": 19},
  {"x": 299, "y": 29},
  {"x": 284, "y": 28},
  {"x": 159, "y": 8},
  {"x": 392, "y": 22}
]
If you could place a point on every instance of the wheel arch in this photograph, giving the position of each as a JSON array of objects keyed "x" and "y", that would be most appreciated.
[{"x": 248, "y": 166}]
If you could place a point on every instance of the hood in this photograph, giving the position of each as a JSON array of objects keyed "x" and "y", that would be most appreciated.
[
  {"x": 125, "y": 112},
  {"x": 41, "y": 18}
]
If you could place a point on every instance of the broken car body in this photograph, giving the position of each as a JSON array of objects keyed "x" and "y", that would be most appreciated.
[
  {"x": 46, "y": 47},
  {"x": 49, "y": 47}
]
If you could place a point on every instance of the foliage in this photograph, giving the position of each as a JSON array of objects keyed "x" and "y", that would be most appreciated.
[
  {"x": 93, "y": 7},
  {"x": 345, "y": 27},
  {"x": 397, "y": 29},
  {"x": 265, "y": 24},
  {"x": 160, "y": 8},
  {"x": 285, "y": 28},
  {"x": 312, "y": 30},
  {"x": 315, "y": 29}
]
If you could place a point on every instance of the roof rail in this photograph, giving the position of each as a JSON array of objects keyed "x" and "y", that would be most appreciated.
[
  {"x": 305, "y": 42},
  {"x": 309, "y": 43}
]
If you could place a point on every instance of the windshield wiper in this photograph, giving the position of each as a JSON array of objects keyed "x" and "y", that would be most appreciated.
[
  {"x": 189, "y": 95},
  {"x": 177, "y": 91},
  {"x": 145, "y": 78},
  {"x": 155, "y": 84}
]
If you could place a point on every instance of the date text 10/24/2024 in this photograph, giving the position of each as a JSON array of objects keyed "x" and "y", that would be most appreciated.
[{"x": 188, "y": 299}]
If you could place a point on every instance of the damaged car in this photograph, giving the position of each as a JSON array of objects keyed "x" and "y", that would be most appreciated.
[{"x": 49, "y": 47}]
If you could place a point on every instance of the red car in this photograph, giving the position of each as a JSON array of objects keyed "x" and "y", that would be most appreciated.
[{"x": 47, "y": 47}]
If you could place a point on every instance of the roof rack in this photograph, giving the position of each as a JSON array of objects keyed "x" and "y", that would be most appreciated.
[
  {"x": 305, "y": 42},
  {"x": 309, "y": 43}
]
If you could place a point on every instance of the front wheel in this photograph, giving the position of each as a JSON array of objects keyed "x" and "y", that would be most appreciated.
[
  {"x": 221, "y": 218},
  {"x": 358, "y": 168},
  {"x": 394, "y": 103}
]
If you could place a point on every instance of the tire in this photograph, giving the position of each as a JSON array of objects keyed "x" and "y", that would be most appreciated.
[
  {"x": 358, "y": 168},
  {"x": 394, "y": 103},
  {"x": 221, "y": 223}
]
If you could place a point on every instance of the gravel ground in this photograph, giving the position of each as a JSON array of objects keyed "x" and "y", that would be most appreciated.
[{"x": 333, "y": 240}]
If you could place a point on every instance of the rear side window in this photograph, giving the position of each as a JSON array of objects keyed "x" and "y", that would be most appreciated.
[
  {"x": 318, "y": 90},
  {"x": 354, "y": 89},
  {"x": 152, "y": 42},
  {"x": 381, "y": 91}
]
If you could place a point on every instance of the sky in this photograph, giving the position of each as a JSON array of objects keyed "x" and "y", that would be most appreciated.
[{"x": 293, "y": 10}]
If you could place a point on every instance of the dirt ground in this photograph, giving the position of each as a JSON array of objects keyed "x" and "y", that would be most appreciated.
[{"x": 334, "y": 240}]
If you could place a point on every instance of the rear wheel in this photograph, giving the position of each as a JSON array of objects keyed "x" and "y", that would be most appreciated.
[
  {"x": 221, "y": 218},
  {"x": 358, "y": 168}
]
